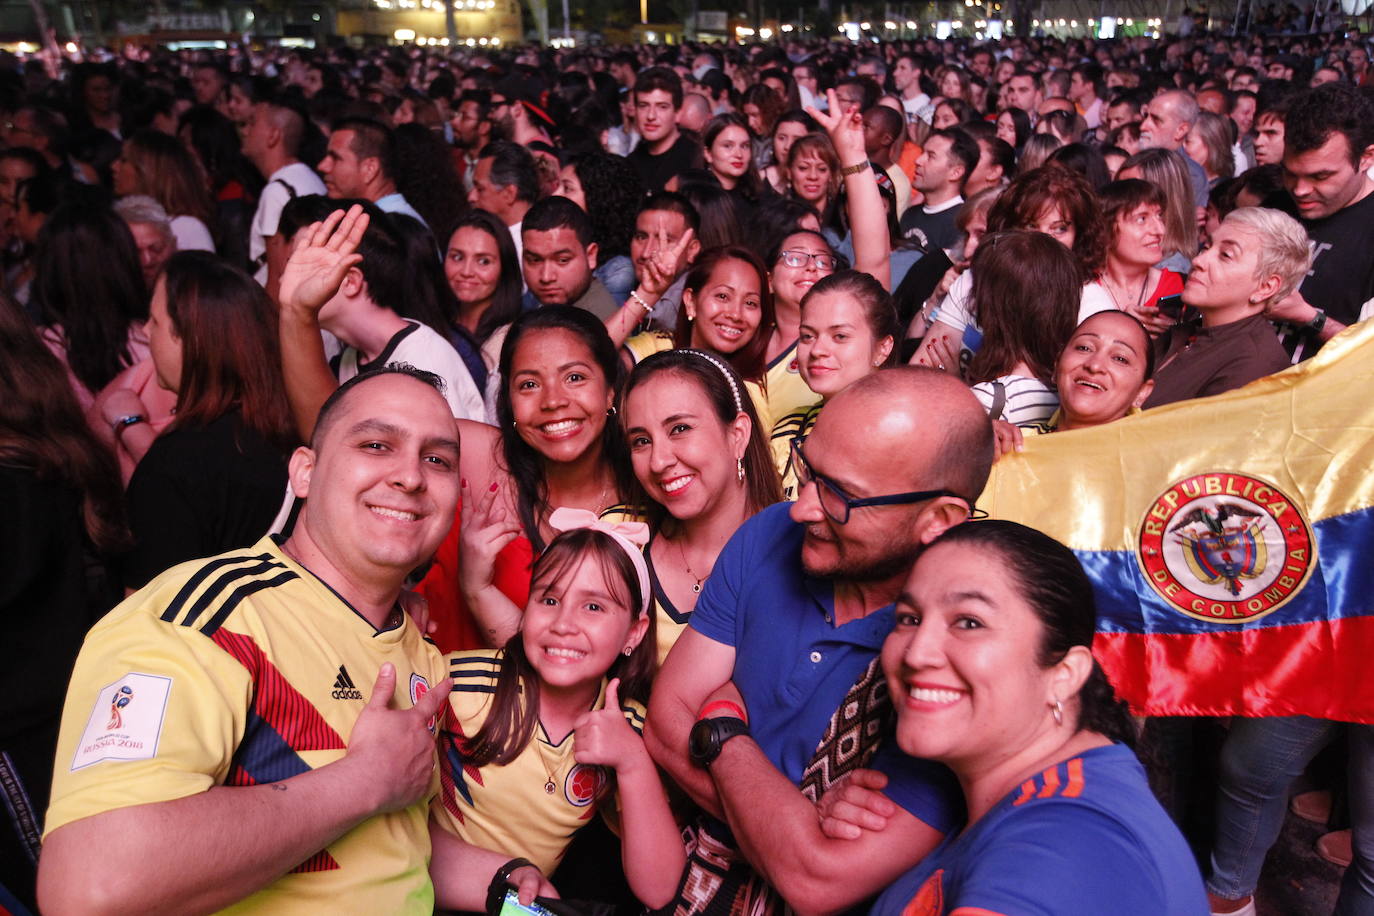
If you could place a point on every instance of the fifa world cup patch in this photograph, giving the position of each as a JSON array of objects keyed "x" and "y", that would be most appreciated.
[{"x": 126, "y": 723}]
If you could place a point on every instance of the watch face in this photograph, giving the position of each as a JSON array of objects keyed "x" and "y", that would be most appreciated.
[{"x": 701, "y": 741}]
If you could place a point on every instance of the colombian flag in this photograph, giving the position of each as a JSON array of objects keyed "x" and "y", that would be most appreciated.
[{"x": 1230, "y": 540}]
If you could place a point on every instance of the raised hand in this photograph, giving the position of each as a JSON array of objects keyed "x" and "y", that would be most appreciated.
[
  {"x": 323, "y": 256},
  {"x": 845, "y": 125},
  {"x": 662, "y": 264},
  {"x": 392, "y": 750},
  {"x": 486, "y": 529},
  {"x": 604, "y": 737}
]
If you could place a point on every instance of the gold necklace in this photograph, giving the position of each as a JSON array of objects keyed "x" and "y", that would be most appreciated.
[
  {"x": 550, "y": 786},
  {"x": 696, "y": 587}
]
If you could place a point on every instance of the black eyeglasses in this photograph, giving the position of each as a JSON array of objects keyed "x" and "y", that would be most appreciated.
[{"x": 837, "y": 504}]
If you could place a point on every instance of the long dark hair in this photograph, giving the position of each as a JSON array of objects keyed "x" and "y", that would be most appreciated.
[
  {"x": 720, "y": 383},
  {"x": 230, "y": 355},
  {"x": 749, "y": 360},
  {"x": 1050, "y": 578},
  {"x": 526, "y": 466},
  {"x": 505, "y": 303},
  {"x": 87, "y": 279},
  {"x": 167, "y": 173},
  {"x": 43, "y": 430},
  {"x": 1017, "y": 327},
  {"x": 509, "y": 727}
]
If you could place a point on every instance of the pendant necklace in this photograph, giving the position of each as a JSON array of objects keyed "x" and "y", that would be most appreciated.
[
  {"x": 550, "y": 786},
  {"x": 696, "y": 587}
]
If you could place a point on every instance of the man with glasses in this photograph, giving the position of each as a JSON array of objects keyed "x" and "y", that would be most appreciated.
[{"x": 773, "y": 693}]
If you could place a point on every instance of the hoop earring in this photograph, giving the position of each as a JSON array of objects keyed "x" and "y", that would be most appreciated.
[
  {"x": 628, "y": 651},
  {"x": 1057, "y": 709},
  {"x": 610, "y": 411},
  {"x": 739, "y": 469}
]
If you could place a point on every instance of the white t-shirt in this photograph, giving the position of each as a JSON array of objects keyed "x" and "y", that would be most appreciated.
[
  {"x": 191, "y": 234},
  {"x": 275, "y": 195},
  {"x": 421, "y": 347}
]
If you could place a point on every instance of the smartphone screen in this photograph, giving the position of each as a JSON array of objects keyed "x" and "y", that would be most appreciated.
[{"x": 511, "y": 906}]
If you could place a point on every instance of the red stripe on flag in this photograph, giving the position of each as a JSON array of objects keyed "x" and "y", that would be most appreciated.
[{"x": 1311, "y": 669}]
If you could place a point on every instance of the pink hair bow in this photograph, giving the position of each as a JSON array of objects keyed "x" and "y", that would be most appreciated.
[{"x": 630, "y": 536}]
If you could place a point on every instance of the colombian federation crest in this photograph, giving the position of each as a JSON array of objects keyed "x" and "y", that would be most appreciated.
[
  {"x": 583, "y": 784},
  {"x": 1225, "y": 548}
]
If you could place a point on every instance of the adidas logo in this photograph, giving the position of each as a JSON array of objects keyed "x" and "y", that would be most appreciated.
[{"x": 344, "y": 688}]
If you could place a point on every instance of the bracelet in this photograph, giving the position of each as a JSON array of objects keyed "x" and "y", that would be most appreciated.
[
  {"x": 639, "y": 301},
  {"x": 734, "y": 708},
  {"x": 854, "y": 169},
  {"x": 500, "y": 883},
  {"x": 125, "y": 422}
]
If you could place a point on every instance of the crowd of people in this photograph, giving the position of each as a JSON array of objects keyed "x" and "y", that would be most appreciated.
[{"x": 413, "y": 454}]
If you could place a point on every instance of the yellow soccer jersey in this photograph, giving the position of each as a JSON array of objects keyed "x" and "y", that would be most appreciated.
[
  {"x": 787, "y": 390},
  {"x": 793, "y": 426},
  {"x": 240, "y": 670},
  {"x": 532, "y": 806}
]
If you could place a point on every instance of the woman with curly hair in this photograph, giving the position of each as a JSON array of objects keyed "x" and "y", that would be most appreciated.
[
  {"x": 616, "y": 187},
  {"x": 1053, "y": 200}
]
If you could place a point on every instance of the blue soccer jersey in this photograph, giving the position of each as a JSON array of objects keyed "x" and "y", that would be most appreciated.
[{"x": 1083, "y": 837}]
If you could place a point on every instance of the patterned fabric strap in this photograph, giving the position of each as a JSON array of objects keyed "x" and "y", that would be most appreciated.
[{"x": 853, "y": 735}]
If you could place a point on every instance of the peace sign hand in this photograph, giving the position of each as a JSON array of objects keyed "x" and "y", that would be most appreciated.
[
  {"x": 486, "y": 529},
  {"x": 661, "y": 266}
]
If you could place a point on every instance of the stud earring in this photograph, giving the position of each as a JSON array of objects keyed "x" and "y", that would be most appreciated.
[{"x": 628, "y": 651}]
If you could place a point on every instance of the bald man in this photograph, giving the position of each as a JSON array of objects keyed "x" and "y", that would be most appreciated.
[
  {"x": 782, "y": 648},
  {"x": 694, "y": 113}
]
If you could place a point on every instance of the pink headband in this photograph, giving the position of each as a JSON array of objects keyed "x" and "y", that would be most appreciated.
[{"x": 629, "y": 536}]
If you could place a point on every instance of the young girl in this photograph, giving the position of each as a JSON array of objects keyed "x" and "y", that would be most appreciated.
[
  {"x": 544, "y": 732},
  {"x": 848, "y": 326},
  {"x": 701, "y": 461}
]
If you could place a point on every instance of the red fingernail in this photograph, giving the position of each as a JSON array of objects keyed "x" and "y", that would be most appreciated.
[
  {"x": 493, "y": 486},
  {"x": 462, "y": 481}
]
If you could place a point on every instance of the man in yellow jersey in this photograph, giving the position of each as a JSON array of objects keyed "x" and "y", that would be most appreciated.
[{"x": 255, "y": 732}]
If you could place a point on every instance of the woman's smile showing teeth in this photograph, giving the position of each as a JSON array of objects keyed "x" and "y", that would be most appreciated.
[
  {"x": 560, "y": 428},
  {"x": 571, "y": 655},
  {"x": 677, "y": 483},
  {"x": 925, "y": 696}
]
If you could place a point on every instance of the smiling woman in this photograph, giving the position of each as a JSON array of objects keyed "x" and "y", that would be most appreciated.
[
  {"x": 991, "y": 672},
  {"x": 556, "y": 446},
  {"x": 702, "y": 466}
]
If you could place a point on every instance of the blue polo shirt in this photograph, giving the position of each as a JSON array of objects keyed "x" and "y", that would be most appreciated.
[{"x": 794, "y": 666}]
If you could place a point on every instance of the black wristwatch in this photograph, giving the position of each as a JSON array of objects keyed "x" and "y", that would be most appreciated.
[
  {"x": 1317, "y": 322},
  {"x": 708, "y": 736}
]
